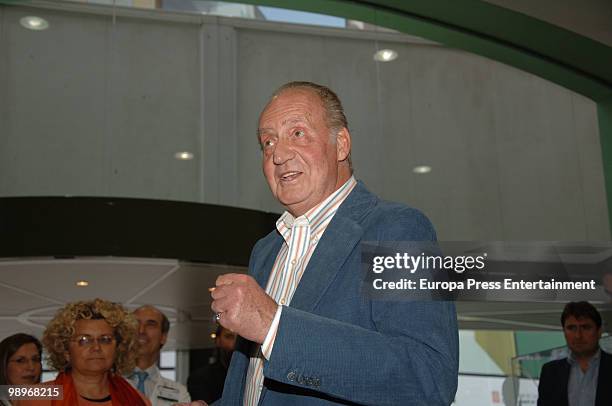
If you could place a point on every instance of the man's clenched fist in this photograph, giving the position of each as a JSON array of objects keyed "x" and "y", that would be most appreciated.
[{"x": 243, "y": 306}]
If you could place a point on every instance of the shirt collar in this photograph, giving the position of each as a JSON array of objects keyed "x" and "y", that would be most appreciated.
[
  {"x": 314, "y": 217},
  {"x": 153, "y": 372},
  {"x": 571, "y": 358}
]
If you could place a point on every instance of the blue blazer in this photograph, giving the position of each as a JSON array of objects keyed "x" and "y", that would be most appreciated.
[{"x": 335, "y": 345}]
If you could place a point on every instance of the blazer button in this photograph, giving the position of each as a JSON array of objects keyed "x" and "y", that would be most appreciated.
[{"x": 291, "y": 376}]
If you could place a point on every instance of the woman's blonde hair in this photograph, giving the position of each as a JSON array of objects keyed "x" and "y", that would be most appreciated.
[{"x": 61, "y": 329}]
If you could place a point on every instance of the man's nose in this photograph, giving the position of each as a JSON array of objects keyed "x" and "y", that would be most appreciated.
[
  {"x": 282, "y": 153},
  {"x": 141, "y": 328}
]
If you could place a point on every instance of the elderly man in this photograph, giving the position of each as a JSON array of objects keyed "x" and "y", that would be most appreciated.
[
  {"x": 308, "y": 336},
  {"x": 153, "y": 327},
  {"x": 583, "y": 378}
]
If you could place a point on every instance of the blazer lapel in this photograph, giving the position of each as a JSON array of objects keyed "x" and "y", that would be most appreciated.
[
  {"x": 332, "y": 251},
  {"x": 563, "y": 382},
  {"x": 261, "y": 273},
  {"x": 337, "y": 243},
  {"x": 604, "y": 394}
]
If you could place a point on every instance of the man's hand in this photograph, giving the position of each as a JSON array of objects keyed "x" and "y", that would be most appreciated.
[{"x": 243, "y": 306}]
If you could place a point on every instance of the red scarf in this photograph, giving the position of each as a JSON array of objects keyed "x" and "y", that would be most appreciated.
[{"x": 122, "y": 393}]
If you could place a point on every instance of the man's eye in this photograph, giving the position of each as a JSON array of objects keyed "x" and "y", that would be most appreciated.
[
  {"x": 299, "y": 133},
  {"x": 268, "y": 143}
]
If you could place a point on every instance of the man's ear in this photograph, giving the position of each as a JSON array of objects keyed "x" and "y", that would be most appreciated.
[
  {"x": 343, "y": 144},
  {"x": 164, "y": 337}
]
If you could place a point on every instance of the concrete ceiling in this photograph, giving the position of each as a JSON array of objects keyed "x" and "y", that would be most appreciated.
[{"x": 31, "y": 291}]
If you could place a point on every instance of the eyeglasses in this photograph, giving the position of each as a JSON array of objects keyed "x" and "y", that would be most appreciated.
[{"x": 85, "y": 340}]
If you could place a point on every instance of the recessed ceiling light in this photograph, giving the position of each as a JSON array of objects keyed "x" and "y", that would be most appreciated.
[
  {"x": 421, "y": 169},
  {"x": 385, "y": 55},
  {"x": 213, "y": 335},
  {"x": 34, "y": 23},
  {"x": 184, "y": 155},
  {"x": 82, "y": 283}
]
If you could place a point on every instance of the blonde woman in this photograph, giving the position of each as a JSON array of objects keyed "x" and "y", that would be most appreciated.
[{"x": 92, "y": 343}]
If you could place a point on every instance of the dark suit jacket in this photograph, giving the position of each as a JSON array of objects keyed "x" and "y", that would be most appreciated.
[
  {"x": 206, "y": 383},
  {"x": 335, "y": 345},
  {"x": 552, "y": 390}
]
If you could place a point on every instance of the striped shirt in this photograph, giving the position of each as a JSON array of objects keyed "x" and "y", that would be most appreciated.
[{"x": 301, "y": 237}]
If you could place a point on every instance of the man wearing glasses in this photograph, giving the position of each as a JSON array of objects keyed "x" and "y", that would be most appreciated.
[{"x": 153, "y": 327}]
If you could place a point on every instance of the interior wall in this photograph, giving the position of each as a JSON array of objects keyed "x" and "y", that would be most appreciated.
[
  {"x": 96, "y": 107},
  {"x": 513, "y": 156}
]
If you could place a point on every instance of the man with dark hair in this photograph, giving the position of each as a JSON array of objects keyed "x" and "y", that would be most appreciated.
[
  {"x": 308, "y": 333},
  {"x": 153, "y": 328},
  {"x": 583, "y": 378}
]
